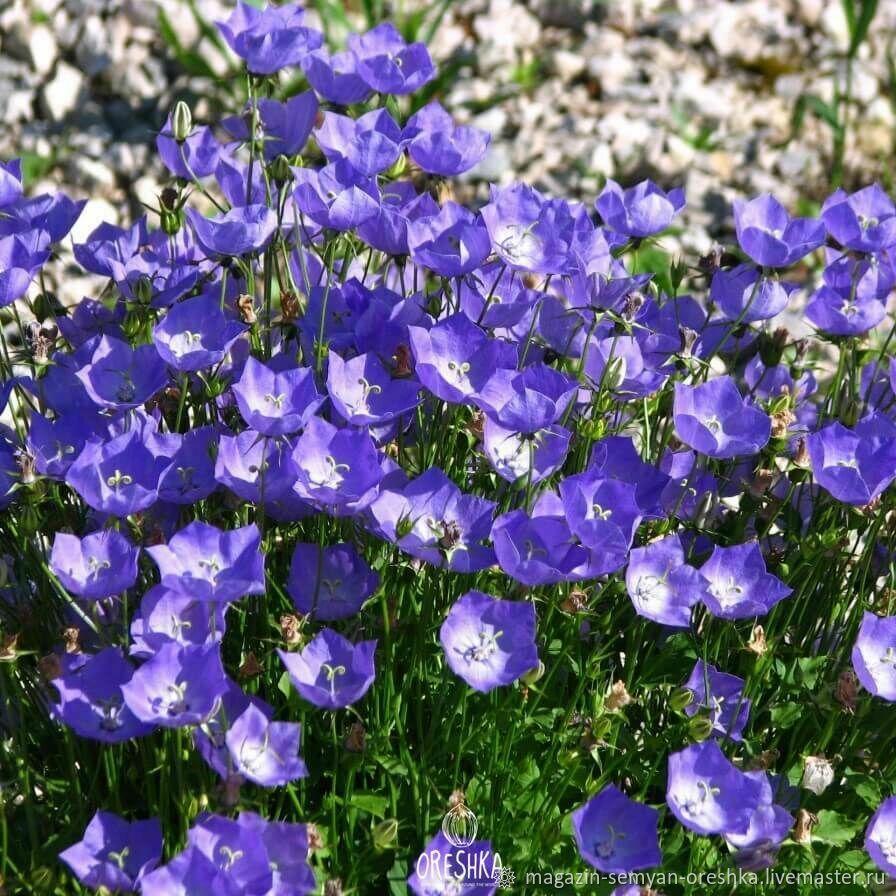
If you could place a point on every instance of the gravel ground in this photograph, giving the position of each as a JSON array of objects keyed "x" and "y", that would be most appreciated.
[{"x": 692, "y": 93}]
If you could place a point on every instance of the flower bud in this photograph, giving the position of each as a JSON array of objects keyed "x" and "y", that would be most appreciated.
[
  {"x": 680, "y": 698},
  {"x": 700, "y": 726},
  {"x": 172, "y": 221},
  {"x": 533, "y": 675},
  {"x": 280, "y": 169},
  {"x": 143, "y": 290},
  {"x": 181, "y": 121},
  {"x": 385, "y": 834}
]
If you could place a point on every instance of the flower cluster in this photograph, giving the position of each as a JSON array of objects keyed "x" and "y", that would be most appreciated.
[{"x": 318, "y": 376}]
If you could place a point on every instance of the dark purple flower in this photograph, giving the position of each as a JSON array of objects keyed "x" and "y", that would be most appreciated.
[
  {"x": 91, "y": 697},
  {"x": 459, "y": 870},
  {"x": 616, "y": 834},
  {"x": 855, "y": 465},
  {"x": 54, "y": 444},
  {"x": 661, "y": 585},
  {"x": 639, "y": 211},
  {"x": 739, "y": 586},
  {"x": 119, "y": 377},
  {"x": 450, "y": 243},
  {"x": 88, "y": 319},
  {"x": 179, "y": 685},
  {"x": 707, "y": 794},
  {"x": 336, "y": 468},
  {"x": 745, "y": 294},
  {"x": 237, "y": 232},
  {"x": 237, "y": 850},
  {"x": 276, "y": 402},
  {"x": 114, "y": 853},
  {"x": 336, "y": 196},
  {"x": 531, "y": 456},
  {"x": 189, "y": 873},
  {"x": 389, "y": 65},
  {"x": 722, "y": 696},
  {"x": 335, "y": 76},
  {"x": 331, "y": 672},
  {"x": 254, "y": 467},
  {"x": 455, "y": 359},
  {"x": 874, "y": 655},
  {"x": 190, "y": 475},
  {"x": 432, "y": 519},
  {"x": 263, "y": 751},
  {"x": 99, "y": 565},
  {"x": 880, "y": 836},
  {"x": 195, "y": 334},
  {"x": 370, "y": 143},
  {"x": 120, "y": 476},
  {"x": 864, "y": 221},
  {"x": 439, "y": 146},
  {"x": 768, "y": 234},
  {"x": 330, "y": 582},
  {"x": 715, "y": 420},
  {"x": 489, "y": 642},
  {"x": 206, "y": 563},
  {"x": 269, "y": 39}
]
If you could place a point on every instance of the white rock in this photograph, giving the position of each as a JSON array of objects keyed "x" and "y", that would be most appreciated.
[
  {"x": 95, "y": 213},
  {"x": 42, "y": 49},
  {"x": 60, "y": 95}
]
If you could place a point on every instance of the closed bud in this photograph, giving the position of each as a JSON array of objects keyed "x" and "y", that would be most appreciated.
[
  {"x": 398, "y": 168},
  {"x": 143, "y": 290},
  {"x": 181, "y": 121},
  {"x": 700, "y": 727},
  {"x": 385, "y": 834},
  {"x": 280, "y": 169},
  {"x": 172, "y": 221},
  {"x": 680, "y": 699},
  {"x": 533, "y": 675}
]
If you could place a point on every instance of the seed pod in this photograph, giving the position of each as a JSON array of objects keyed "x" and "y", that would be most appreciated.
[{"x": 385, "y": 834}]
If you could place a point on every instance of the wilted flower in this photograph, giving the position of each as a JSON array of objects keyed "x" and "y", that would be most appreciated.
[{"x": 818, "y": 774}]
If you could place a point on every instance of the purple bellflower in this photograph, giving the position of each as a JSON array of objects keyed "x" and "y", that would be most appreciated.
[
  {"x": 331, "y": 672},
  {"x": 489, "y": 642}
]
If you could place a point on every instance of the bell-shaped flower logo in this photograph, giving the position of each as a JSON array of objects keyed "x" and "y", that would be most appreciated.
[{"x": 460, "y": 825}]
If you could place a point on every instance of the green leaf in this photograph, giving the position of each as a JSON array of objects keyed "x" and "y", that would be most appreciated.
[
  {"x": 835, "y": 829},
  {"x": 785, "y": 715},
  {"x": 371, "y": 803},
  {"x": 859, "y": 25}
]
